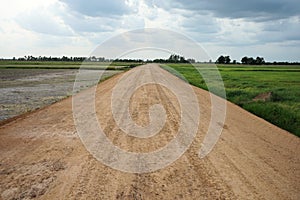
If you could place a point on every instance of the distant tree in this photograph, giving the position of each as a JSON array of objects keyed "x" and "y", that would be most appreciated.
[
  {"x": 64, "y": 58},
  {"x": 234, "y": 62},
  {"x": 227, "y": 59},
  {"x": 173, "y": 58},
  {"x": 101, "y": 59},
  {"x": 191, "y": 60},
  {"x": 176, "y": 59},
  {"x": 221, "y": 60},
  {"x": 182, "y": 59},
  {"x": 251, "y": 61},
  {"x": 244, "y": 60},
  {"x": 248, "y": 60},
  {"x": 259, "y": 60}
]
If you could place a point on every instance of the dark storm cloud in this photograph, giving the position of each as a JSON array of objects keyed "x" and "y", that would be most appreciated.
[
  {"x": 95, "y": 8},
  {"x": 204, "y": 24},
  {"x": 237, "y": 22},
  {"x": 256, "y": 10},
  {"x": 281, "y": 30}
]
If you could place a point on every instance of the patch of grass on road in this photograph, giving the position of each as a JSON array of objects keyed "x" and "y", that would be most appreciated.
[{"x": 271, "y": 92}]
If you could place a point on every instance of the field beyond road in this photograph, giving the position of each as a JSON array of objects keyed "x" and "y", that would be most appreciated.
[
  {"x": 268, "y": 91},
  {"x": 42, "y": 156},
  {"x": 28, "y": 85}
]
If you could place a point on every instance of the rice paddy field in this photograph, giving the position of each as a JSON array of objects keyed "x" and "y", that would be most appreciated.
[
  {"x": 26, "y": 86},
  {"x": 271, "y": 92}
]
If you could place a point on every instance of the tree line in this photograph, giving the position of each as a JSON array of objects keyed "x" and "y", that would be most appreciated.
[
  {"x": 245, "y": 60},
  {"x": 63, "y": 58},
  {"x": 251, "y": 61},
  {"x": 173, "y": 58}
]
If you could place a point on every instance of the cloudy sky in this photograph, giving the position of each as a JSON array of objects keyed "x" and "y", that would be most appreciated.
[{"x": 268, "y": 28}]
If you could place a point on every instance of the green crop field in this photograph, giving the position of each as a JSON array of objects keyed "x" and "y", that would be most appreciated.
[
  {"x": 270, "y": 92},
  {"x": 4, "y": 64}
]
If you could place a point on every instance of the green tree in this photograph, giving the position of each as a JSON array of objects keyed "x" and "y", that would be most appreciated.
[
  {"x": 259, "y": 60},
  {"x": 221, "y": 60},
  {"x": 227, "y": 59},
  {"x": 244, "y": 60},
  {"x": 248, "y": 61}
]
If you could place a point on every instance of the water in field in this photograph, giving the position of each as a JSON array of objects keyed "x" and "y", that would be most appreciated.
[{"x": 23, "y": 90}]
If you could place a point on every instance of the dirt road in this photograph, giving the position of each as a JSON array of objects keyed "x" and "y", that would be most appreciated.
[{"x": 41, "y": 155}]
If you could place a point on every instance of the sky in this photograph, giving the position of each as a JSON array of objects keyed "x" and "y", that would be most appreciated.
[{"x": 268, "y": 28}]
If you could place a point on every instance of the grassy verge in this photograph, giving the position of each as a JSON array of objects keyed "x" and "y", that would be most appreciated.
[{"x": 270, "y": 92}]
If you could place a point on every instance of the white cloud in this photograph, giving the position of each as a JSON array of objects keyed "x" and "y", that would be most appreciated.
[
  {"x": 9, "y": 9},
  {"x": 15, "y": 41},
  {"x": 237, "y": 32},
  {"x": 42, "y": 20}
]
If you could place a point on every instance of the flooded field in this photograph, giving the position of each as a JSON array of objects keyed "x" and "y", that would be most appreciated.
[{"x": 24, "y": 90}]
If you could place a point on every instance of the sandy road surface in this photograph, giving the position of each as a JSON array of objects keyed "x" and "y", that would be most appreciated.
[{"x": 41, "y": 155}]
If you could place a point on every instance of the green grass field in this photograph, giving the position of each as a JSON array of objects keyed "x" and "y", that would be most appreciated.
[
  {"x": 4, "y": 64},
  {"x": 270, "y": 92}
]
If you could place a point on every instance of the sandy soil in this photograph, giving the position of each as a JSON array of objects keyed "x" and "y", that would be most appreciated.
[{"x": 41, "y": 155}]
